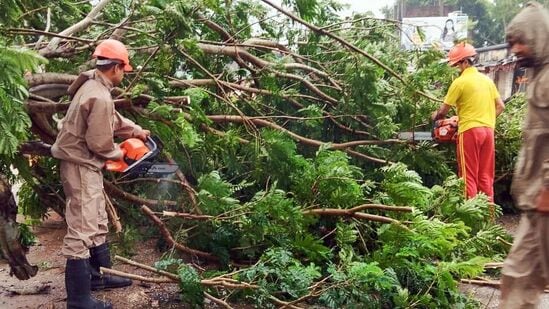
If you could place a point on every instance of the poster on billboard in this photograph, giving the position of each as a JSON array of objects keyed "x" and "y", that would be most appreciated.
[{"x": 433, "y": 32}]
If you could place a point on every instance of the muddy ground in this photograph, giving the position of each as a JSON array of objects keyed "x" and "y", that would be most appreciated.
[{"x": 46, "y": 254}]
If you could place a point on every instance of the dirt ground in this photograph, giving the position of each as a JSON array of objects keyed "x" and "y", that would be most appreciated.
[{"x": 50, "y": 278}]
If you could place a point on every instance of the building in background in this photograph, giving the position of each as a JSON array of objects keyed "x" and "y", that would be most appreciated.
[
  {"x": 423, "y": 27},
  {"x": 496, "y": 62}
]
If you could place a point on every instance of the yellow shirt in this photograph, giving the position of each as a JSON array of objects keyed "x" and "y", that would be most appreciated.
[{"x": 474, "y": 95}]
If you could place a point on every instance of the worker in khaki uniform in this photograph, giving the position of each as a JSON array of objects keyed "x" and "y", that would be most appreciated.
[
  {"x": 526, "y": 270},
  {"x": 478, "y": 104},
  {"x": 84, "y": 143}
]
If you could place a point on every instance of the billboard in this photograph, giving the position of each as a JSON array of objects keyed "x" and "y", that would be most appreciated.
[{"x": 429, "y": 32}]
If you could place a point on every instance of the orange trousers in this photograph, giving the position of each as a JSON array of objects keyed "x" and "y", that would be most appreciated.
[{"x": 476, "y": 161}]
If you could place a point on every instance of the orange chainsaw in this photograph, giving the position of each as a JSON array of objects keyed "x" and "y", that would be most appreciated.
[
  {"x": 139, "y": 159},
  {"x": 444, "y": 131}
]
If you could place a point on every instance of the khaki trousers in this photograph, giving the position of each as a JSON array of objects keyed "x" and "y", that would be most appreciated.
[
  {"x": 526, "y": 268},
  {"x": 85, "y": 211}
]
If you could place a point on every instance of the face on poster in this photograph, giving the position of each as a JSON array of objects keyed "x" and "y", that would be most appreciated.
[{"x": 433, "y": 32}]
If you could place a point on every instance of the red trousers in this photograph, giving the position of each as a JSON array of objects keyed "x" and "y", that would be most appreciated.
[{"x": 476, "y": 161}]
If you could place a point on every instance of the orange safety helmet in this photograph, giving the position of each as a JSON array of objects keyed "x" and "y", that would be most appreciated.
[
  {"x": 459, "y": 52},
  {"x": 113, "y": 49}
]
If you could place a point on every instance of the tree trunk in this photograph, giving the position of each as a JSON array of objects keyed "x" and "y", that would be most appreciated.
[{"x": 11, "y": 247}]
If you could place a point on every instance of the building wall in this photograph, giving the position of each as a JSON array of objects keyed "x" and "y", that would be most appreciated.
[{"x": 495, "y": 62}]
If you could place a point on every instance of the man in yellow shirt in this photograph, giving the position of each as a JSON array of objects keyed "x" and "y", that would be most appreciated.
[{"x": 478, "y": 103}]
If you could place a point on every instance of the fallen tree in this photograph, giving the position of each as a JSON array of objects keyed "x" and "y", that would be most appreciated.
[{"x": 291, "y": 183}]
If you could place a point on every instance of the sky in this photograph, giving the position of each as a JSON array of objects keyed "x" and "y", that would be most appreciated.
[{"x": 367, "y": 5}]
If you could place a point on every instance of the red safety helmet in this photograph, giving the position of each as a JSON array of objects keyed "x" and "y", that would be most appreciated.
[
  {"x": 115, "y": 50},
  {"x": 459, "y": 52}
]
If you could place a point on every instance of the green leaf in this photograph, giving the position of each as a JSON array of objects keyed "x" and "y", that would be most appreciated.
[{"x": 190, "y": 286}]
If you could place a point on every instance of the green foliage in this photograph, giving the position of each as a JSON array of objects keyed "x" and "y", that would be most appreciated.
[
  {"x": 433, "y": 166},
  {"x": 508, "y": 142},
  {"x": 404, "y": 187},
  {"x": 37, "y": 194},
  {"x": 174, "y": 17},
  {"x": 29, "y": 202},
  {"x": 450, "y": 204},
  {"x": 330, "y": 181},
  {"x": 215, "y": 194},
  {"x": 425, "y": 260},
  {"x": 189, "y": 283},
  {"x": 127, "y": 240},
  {"x": 307, "y": 9},
  {"x": 280, "y": 159},
  {"x": 278, "y": 266},
  {"x": 187, "y": 133},
  {"x": 487, "y": 240},
  {"x": 14, "y": 121},
  {"x": 272, "y": 216},
  {"x": 346, "y": 235},
  {"x": 26, "y": 237},
  {"x": 467, "y": 269},
  {"x": 360, "y": 285},
  {"x": 168, "y": 264}
]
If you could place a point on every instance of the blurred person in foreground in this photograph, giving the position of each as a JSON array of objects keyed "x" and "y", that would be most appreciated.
[{"x": 526, "y": 270}]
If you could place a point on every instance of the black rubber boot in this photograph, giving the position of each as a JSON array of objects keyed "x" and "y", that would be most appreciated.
[
  {"x": 100, "y": 257},
  {"x": 77, "y": 284}
]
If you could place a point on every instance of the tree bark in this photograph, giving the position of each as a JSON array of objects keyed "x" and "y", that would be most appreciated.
[{"x": 10, "y": 244}]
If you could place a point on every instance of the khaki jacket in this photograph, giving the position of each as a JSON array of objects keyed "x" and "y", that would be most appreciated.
[
  {"x": 86, "y": 132},
  {"x": 531, "y": 25}
]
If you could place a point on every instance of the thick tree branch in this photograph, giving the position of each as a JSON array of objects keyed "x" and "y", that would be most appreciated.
[
  {"x": 117, "y": 192},
  {"x": 381, "y": 207},
  {"x": 299, "y": 138},
  {"x": 136, "y": 277},
  {"x": 217, "y": 281},
  {"x": 234, "y": 51},
  {"x": 36, "y": 148},
  {"x": 350, "y": 213},
  {"x": 10, "y": 245},
  {"x": 81, "y": 25}
]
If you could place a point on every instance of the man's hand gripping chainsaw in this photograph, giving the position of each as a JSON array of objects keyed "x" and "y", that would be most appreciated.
[{"x": 445, "y": 130}]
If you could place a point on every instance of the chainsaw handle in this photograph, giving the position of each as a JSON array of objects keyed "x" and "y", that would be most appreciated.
[{"x": 151, "y": 144}]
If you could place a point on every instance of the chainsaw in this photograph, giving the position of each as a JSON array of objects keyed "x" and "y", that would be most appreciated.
[
  {"x": 139, "y": 159},
  {"x": 444, "y": 131}
]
